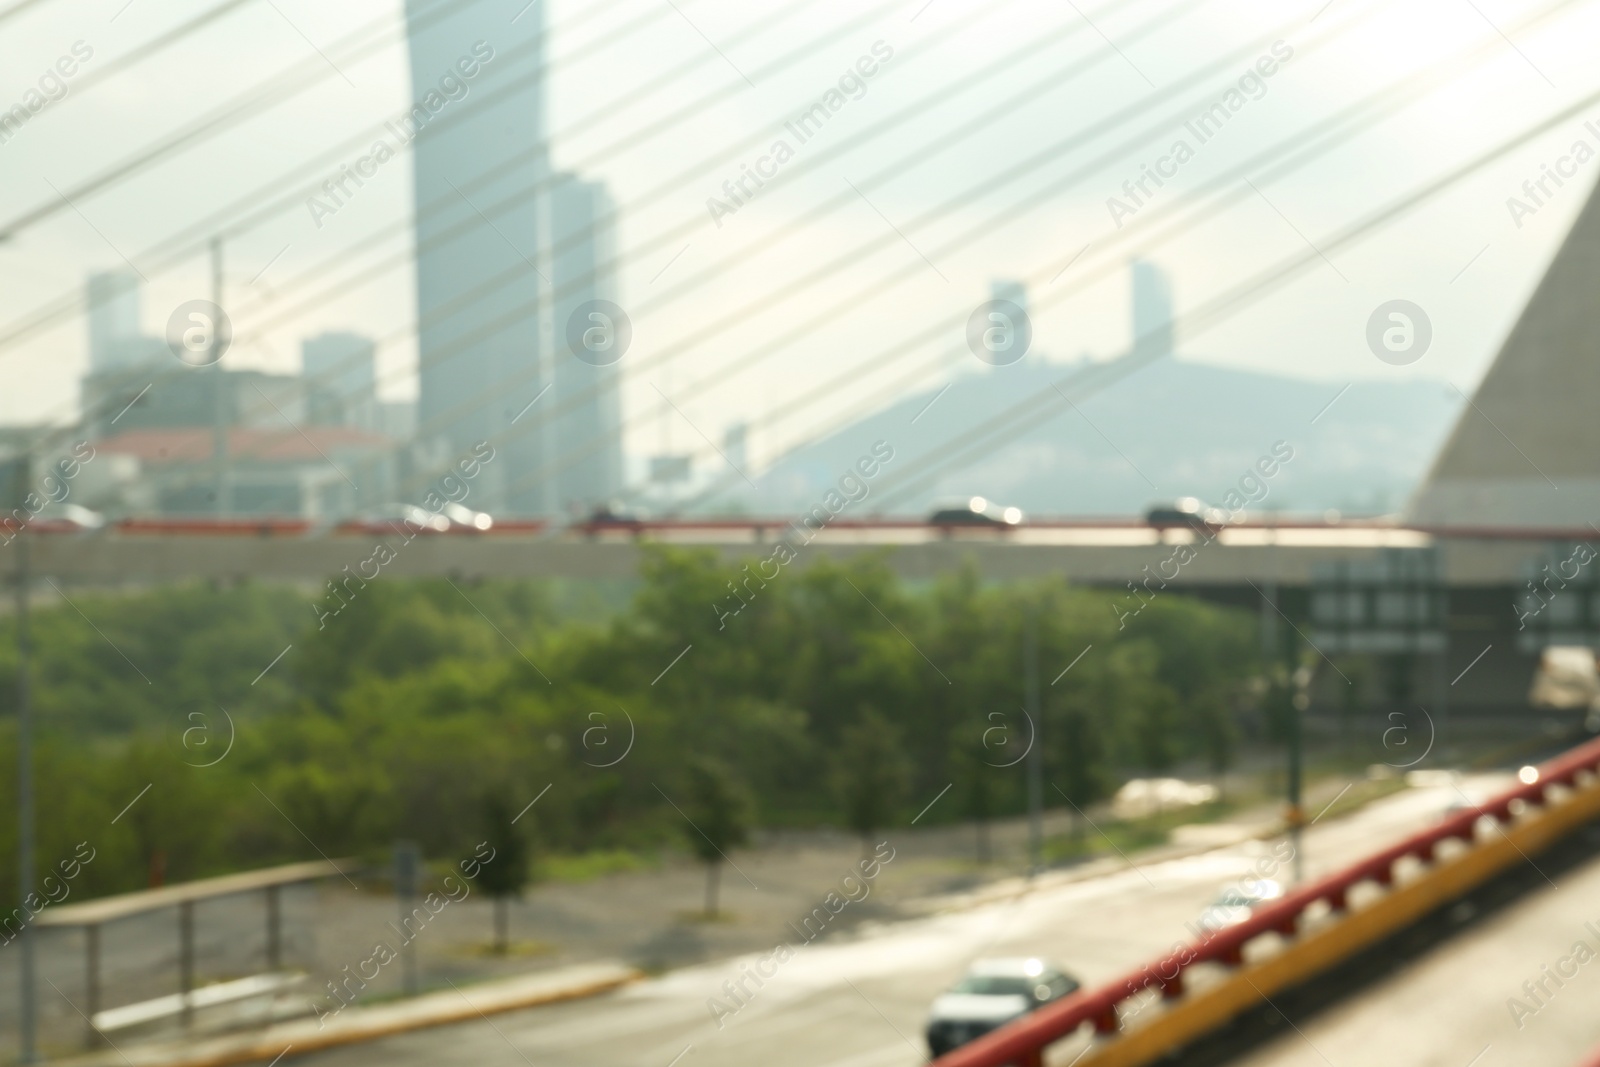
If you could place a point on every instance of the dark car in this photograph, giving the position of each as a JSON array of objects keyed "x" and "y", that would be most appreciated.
[
  {"x": 611, "y": 517},
  {"x": 993, "y": 993},
  {"x": 1185, "y": 513},
  {"x": 976, "y": 511}
]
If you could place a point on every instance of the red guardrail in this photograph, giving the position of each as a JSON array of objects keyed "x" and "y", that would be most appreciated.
[
  {"x": 261, "y": 527},
  {"x": 1023, "y": 1041},
  {"x": 200, "y": 525}
]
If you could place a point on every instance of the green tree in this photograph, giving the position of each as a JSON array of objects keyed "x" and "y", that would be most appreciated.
[
  {"x": 1220, "y": 734},
  {"x": 872, "y": 774},
  {"x": 976, "y": 788},
  {"x": 721, "y": 810},
  {"x": 503, "y": 876},
  {"x": 1082, "y": 758}
]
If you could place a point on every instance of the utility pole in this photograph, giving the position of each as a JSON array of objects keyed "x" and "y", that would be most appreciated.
[
  {"x": 1278, "y": 641},
  {"x": 29, "y": 1007},
  {"x": 1030, "y": 675},
  {"x": 551, "y": 333},
  {"x": 407, "y": 862},
  {"x": 219, "y": 418},
  {"x": 1299, "y": 701}
]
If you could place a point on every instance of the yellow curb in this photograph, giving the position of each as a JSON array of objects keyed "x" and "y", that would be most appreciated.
[{"x": 356, "y": 1025}]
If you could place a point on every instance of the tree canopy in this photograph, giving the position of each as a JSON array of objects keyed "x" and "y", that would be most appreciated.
[{"x": 836, "y": 694}]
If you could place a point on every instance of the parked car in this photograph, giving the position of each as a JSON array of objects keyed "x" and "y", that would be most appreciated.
[
  {"x": 976, "y": 511},
  {"x": 992, "y": 993},
  {"x": 1235, "y": 903}
]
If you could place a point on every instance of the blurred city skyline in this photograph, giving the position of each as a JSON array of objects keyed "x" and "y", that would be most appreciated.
[{"x": 1462, "y": 257}]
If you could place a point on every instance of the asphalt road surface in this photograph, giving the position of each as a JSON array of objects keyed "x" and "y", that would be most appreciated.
[
  {"x": 862, "y": 1002},
  {"x": 1464, "y": 1001}
]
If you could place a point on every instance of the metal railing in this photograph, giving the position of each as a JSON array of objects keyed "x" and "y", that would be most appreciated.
[{"x": 1023, "y": 1041}]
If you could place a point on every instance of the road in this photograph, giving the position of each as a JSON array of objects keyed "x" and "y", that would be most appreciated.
[
  {"x": 1464, "y": 1001},
  {"x": 862, "y": 1002}
]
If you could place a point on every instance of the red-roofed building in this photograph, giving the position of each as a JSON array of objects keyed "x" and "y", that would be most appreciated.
[{"x": 305, "y": 471}]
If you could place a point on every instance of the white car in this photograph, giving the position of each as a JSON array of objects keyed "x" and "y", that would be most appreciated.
[
  {"x": 1235, "y": 903},
  {"x": 465, "y": 518},
  {"x": 993, "y": 993},
  {"x": 392, "y": 518}
]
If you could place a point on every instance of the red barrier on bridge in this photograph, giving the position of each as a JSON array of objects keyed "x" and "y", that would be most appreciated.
[
  {"x": 1023, "y": 1041},
  {"x": 259, "y": 527},
  {"x": 266, "y": 525}
]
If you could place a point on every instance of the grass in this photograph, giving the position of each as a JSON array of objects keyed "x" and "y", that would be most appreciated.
[
  {"x": 514, "y": 949},
  {"x": 1362, "y": 792},
  {"x": 1131, "y": 835},
  {"x": 587, "y": 866},
  {"x": 698, "y": 917}
]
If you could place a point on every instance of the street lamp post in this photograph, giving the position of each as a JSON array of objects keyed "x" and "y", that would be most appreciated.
[
  {"x": 1030, "y": 674},
  {"x": 1298, "y": 703},
  {"x": 28, "y": 1007}
]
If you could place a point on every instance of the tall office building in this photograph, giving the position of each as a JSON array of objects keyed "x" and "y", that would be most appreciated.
[
  {"x": 589, "y": 428},
  {"x": 341, "y": 380},
  {"x": 113, "y": 298},
  {"x": 479, "y": 147},
  {"x": 115, "y": 343},
  {"x": 1152, "y": 310}
]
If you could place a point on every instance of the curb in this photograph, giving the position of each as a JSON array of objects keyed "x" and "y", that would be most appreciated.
[
  {"x": 1014, "y": 887},
  {"x": 369, "y": 1024}
]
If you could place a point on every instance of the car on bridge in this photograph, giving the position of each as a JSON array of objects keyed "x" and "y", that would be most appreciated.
[
  {"x": 610, "y": 518},
  {"x": 462, "y": 517},
  {"x": 993, "y": 992},
  {"x": 391, "y": 518},
  {"x": 1186, "y": 513},
  {"x": 976, "y": 511}
]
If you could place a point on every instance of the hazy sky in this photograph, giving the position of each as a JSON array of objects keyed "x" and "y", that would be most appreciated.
[{"x": 846, "y": 254}]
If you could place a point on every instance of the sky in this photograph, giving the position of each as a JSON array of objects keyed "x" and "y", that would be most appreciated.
[{"x": 987, "y": 145}]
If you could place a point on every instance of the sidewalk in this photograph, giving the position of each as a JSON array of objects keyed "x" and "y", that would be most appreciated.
[{"x": 367, "y": 1024}]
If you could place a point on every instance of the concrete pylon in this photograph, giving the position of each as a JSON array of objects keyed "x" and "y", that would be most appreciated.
[{"x": 1526, "y": 452}]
